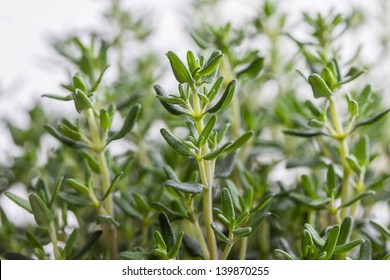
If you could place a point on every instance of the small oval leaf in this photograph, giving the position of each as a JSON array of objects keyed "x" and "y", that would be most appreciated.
[
  {"x": 128, "y": 124},
  {"x": 41, "y": 213},
  {"x": 191, "y": 188},
  {"x": 175, "y": 143}
]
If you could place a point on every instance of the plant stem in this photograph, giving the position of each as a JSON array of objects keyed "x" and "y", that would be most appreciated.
[
  {"x": 344, "y": 151},
  {"x": 228, "y": 246},
  {"x": 206, "y": 170},
  {"x": 243, "y": 248},
  {"x": 99, "y": 145},
  {"x": 198, "y": 231},
  {"x": 53, "y": 238}
]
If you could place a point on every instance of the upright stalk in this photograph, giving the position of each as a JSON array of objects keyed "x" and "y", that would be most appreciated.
[
  {"x": 198, "y": 231},
  {"x": 228, "y": 246},
  {"x": 344, "y": 151},
  {"x": 206, "y": 170},
  {"x": 99, "y": 148},
  {"x": 53, "y": 238}
]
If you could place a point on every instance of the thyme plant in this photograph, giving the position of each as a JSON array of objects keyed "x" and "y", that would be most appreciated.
[{"x": 245, "y": 159}]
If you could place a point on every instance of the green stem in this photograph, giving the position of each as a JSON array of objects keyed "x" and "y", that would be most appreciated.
[
  {"x": 53, "y": 238},
  {"x": 198, "y": 231},
  {"x": 344, "y": 151},
  {"x": 99, "y": 147},
  {"x": 228, "y": 246},
  {"x": 243, "y": 248},
  {"x": 359, "y": 189},
  {"x": 206, "y": 170}
]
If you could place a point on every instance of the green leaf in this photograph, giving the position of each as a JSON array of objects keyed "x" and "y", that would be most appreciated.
[
  {"x": 191, "y": 61},
  {"x": 319, "y": 203},
  {"x": 308, "y": 186},
  {"x": 41, "y": 213},
  {"x": 97, "y": 83},
  {"x": 24, "y": 203},
  {"x": 223, "y": 220},
  {"x": 214, "y": 154},
  {"x": 227, "y": 205},
  {"x": 371, "y": 120},
  {"x": 92, "y": 161},
  {"x": 113, "y": 186},
  {"x": 69, "y": 132},
  {"x": 127, "y": 208},
  {"x": 65, "y": 140},
  {"x": 345, "y": 248},
  {"x": 225, "y": 99},
  {"x": 174, "y": 109},
  {"x": 192, "y": 247},
  {"x": 258, "y": 220},
  {"x": 167, "y": 231},
  {"x": 219, "y": 234},
  {"x": 354, "y": 164},
  {"x": 81, "y": 101},
  {"x": 68, "y": 97},
  {"x": 191, "y": 188},
  {"x": 215, "y": 88},
  {"x": 34, "y": 241},
  {"x": 78, "y": 186},
  {"x": 352, "y": 74},
  {"x": 242, "y": 232},
  {"x": 171, "y": 100},
  {"x": 303, "y": 133},
  {"x": 159, "y": 240},
  {"x": 345, "y": 230},
  {"x": 331, "y": 242},
  {"x": 128, "y": 124},
  {"x": 200, "y": 41},
  {"x": 286, "y": 255},
  {"x": 222, "y": 132},
  {"x": 204, "y": 135},
  {"x": 316, "y": 123},
  {"x": 329, "y": 77},
  {"x": 357, "y": 198},
  {"x": 316, "y": 238},
  {"x": 137, "y": 256},
  {"x": 105, "y": 121},
  {"x": 362, "y": 151},
  {"x": 265, "y": 200},
  {"x": 242, "y": 217},
  {"x": 306, "y": 244},
  {"x": 70, "y": 242},
  {"x": 253, "y": 69},
  {"x": 319, "y": 87},
  {"x": 383, "y": 230},
  {"x": 79, "y": 82},
  {"x": 224, "y": 168},
  {"x": 353, "y": 107},
  {"x": 212, "y": 64},
  {"x": 74, "y": 200},
  {"x": 365, "y": 250},
  {"x": 175, "y": 143},
  {"x": 175, "y": 249},
  {"x": 181, "y": 72},
  {"x": 106, "y": 220},
  {"x": 173, "y": 215},
  {"x": 239, "y": 142},
  {"x": 141, "y": 201},
  {"x": 314, "y": 108},
  {"x": 90, "y": 242}
]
